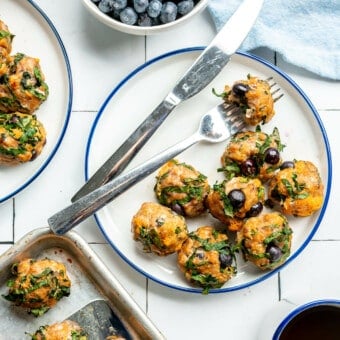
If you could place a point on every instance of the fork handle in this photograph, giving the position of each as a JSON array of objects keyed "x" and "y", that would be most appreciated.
[
  {"x": 118, "y": 161},
  {"x": 87, "y": 205}
]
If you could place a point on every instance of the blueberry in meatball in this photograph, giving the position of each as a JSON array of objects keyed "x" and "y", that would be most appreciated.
[
  {"x": 159, "y": 229},
  {"x": 182, "y": 188},
  {"x": 38, "y": 285},
  {"x": 234, "y": 200},
  {"x": 265, "y": 240},
  {"x": 253, "y": 154},
  {"x": 253, "y": 96},
  {"x": 207, "y": 259},
  {"x": 297, "y": 189}
]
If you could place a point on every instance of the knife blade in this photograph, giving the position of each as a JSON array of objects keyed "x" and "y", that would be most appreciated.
[{"x": 205, "y": 68}]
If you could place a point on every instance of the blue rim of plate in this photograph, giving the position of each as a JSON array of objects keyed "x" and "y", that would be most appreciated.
[
  {"x": 299, "y": 310},
  {"x": 69, "y": 106},
  {"x": 327, "y": 191}
]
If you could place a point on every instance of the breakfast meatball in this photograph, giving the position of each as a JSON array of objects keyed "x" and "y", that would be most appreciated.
[
  {"x": 253, "y": 154},
  {"x": 65, "y": 330},
  {"x": 297, "y": 189},
  {"x": 38, "y": 285},
  {"x": 207, "y": 258},
  {"x": 265, "y": 240},
  {"x": 253, "y": 96},
  {"x": 23, "y": 88},
  {"x": 22, "y": 138},
  {"x": 159, "y": 229},
  {"x": 182, "y": 188},
  {"x": 232, "y": 201},
  {"x": 6, "y": 38}
]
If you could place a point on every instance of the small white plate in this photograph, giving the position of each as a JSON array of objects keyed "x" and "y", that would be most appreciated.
[
  {"x": 138, "y": 94},
  {"x": 36, "y": 36}
]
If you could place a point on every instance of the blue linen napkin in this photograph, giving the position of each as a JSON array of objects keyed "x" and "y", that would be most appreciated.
[{"x": 305, "y": 32}]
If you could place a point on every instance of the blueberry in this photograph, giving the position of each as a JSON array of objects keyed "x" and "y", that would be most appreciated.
[
  {"x": 255, "y": 209},
  {"x": 240, "y": 89},
  {"x": 106, "y": 6},
  {"x": 237, "y": 198},
  {"x": 185, "y": 6},
  {"x": 177, "y": 208},
  {"x": 154, "y": 8},
  {"x": 119, "y": 4},
  {"x": 272, "y": 156},
  {"x": 115, "y": 14},
  {"x": 287, "y": 164},
  {"x": 168, "y": 12},
  {"x": 156, "y": 21},
  {"x": 274, "y": 252},
  {"x": 128, "y": 16},
  {"x": 140, "y": 6},
  {"x": 226, "y": 260},
  {"x": 249, "y": 167},
  {"x": 144, "y": 20}
]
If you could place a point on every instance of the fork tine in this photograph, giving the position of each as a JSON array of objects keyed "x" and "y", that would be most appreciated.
[
  {"x": 275, "y": 91},
  {"x": 234, "y": 118},
  {"x": 278, "y": 97}
]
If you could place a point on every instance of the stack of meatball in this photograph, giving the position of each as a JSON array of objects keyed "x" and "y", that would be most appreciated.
[
  {"x": 22, "y": 90},
  {"x": 256, "y": 177}
]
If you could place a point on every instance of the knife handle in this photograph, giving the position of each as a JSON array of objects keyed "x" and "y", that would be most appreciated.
[
  {"x": 69, "y": 217},
  {"x": 118, "y": 161}
]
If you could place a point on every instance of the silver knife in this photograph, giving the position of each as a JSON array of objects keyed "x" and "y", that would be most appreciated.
[{"x": 206, "y": 67}]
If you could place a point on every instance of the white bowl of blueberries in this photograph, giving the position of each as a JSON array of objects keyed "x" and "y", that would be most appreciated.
[{"x": 143, "y": 17}]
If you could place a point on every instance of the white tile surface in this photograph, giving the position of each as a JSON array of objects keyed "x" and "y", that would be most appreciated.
[
  {"x": 100, "y": 58},
  {"x": 6, "y": 221},
  {"x": 220, "y": 316}
]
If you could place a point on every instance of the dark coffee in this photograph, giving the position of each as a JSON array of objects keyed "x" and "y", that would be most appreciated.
[{"x": 317, "y": 323}]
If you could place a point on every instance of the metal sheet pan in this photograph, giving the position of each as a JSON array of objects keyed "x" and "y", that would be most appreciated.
[{"x": 91, "y": 280}]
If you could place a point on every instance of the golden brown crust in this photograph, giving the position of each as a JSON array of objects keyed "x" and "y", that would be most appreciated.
[
  {"x": 6, "y": 38},
  {"x": 26, "y": 84},
  {"x": 182, "y": 188},
  {"x": 206, "y": 258},
  {"x": 265, "y": 240},
  {"x": 38, "y": 284},
  {"x": 22, "y": 138},
  {"x": 159, "y": 229},
  {"x": 65, "y": 330},
  {"x": 257, "y": 102},
  {"x": 299, "y": 190},
  {"x": 251, "y": 145},
  {"x": 221, "y": 207}
]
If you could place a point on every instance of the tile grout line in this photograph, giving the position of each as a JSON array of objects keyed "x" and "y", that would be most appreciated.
[
  {"x": 13, "y": 219},
  {"x": 146, "y": 279}
]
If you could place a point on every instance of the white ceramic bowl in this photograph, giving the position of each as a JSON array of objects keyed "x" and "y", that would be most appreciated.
[{"x": 137, "y": 30}]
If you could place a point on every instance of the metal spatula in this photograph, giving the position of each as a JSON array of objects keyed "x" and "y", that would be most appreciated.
[{"x": 99, "y": 321}]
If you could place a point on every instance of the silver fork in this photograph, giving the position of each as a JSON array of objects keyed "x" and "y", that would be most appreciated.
[{"x": 216, "y": 125}]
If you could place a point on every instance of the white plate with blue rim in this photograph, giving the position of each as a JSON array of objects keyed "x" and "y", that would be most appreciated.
[
  {"x": 41, "y": 40},
  {"x": 137, "y": 95}
]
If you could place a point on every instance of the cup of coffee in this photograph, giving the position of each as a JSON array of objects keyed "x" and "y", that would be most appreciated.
[{"x": 315, "y": 320}]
